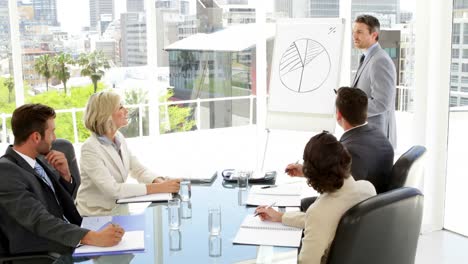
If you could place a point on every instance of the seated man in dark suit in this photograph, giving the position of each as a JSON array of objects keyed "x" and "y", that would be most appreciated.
[
  {"x": 371, "y": 152},
  {"x": 37, "y": 213}
]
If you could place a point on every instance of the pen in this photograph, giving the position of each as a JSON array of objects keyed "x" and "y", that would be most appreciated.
[
  {"x": 269, "y": 186},
  {"x": 269, "y": 206}
]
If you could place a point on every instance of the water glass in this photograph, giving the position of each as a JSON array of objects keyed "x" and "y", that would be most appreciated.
[
  {"x": 215, "y": 245},
  {"x": 174, "y": 213},
  {"x": 185, "y": 190},
  {"x": 242, "y": 195},
  {"x": 175, "y": 240},
  {"x": 214, "y": 220},
  {"x": 186, "y": 209},
  {"x": 243, "y": 179}
]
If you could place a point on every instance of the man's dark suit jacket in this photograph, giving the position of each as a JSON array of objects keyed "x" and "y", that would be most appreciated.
[
  {"x": 31, "y": 218},
  {"x": 372, "y": 155}
]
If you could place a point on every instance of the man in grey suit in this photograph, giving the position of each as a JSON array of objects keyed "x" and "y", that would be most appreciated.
[
  {"x": 37, "y": 213},
  {"x": 376, "y": 76},
  {"x": 371, "y": 152}
]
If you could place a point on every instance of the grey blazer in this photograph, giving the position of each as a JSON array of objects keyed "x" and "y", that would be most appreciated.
[
  {"x": 377, "y": 78},
  {"x": 31, "y": 218},
  {"x": 372, "y": 155}
]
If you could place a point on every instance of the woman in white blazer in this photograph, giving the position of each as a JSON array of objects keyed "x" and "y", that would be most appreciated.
[
  {"x": 327, "y": 166},
  {"x": 106, "y": 161}
]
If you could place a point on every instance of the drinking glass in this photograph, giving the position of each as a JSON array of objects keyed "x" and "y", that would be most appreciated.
[
  {"x": 186, "y": 209},
  {"x": 214, "y": 245},
  {"x": 175, "y": 240},
  {"x": 242, "y": 179},
  {"x": 174, "y": 213},
  {"x": 185, "y": 190},
  {"x": 214, "y": 220}
]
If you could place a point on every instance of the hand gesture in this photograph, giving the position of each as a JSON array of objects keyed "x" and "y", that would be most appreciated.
[
  {"x": 167, "y": 186},
  {"x": 294, "y": 170},
  {"x": 58, "y": 160},
  {"x": 110, "y": 236},
  {"x": 267, "y": 213}
]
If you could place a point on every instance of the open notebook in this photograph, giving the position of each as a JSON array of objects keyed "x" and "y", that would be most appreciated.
[
  {"x": 132, "y": 241},
  {"x": 254, "y": 231}
]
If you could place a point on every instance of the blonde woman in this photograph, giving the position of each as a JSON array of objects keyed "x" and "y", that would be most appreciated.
[{"x": 106, "y": 161}]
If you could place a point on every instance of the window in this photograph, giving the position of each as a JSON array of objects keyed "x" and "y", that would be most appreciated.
[
  {"x": 456, "y": 34},
  {"x": 455, "y": 53},
  {"x": 453, "y": 101},
  {"x": 465, "y": 53},
  {"x": 454, "y": 67},
  {"x": 465, "y": 33},
  {"x": 463, "y": 101},
  {"x": 454, "y": 88},
  {"x": 454, "y": 78}
]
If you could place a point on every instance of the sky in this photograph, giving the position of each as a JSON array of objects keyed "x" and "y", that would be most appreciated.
[{"x": 74, "y": 14}]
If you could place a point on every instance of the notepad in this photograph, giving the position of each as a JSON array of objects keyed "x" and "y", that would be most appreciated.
[
  {"x": 156, "y": 197},
  {"x": 284, "y": 189},
  {"x": 131, "y": 242},
  {"x": 287, "y": 195},
  {"x": 254, "y": 231},
  {"x": 285, "y": 200}
]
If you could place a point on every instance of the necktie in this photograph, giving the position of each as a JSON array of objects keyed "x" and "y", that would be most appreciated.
[
  {"x": 38, "y": 168},
  {"x": 361, "y": 60}
]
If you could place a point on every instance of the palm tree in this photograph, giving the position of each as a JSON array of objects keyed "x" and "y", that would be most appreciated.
[
  {"x": 43, "y": 66},
  {"x": 93, "y": 65},
  {"x": 10, "y": 84},
  {"x": 60, "y": 69}
]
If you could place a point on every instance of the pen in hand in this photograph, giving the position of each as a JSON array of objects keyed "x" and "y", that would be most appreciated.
[
  {"x": 287, "y": 170},
  {"x": 269, "y": 206}
]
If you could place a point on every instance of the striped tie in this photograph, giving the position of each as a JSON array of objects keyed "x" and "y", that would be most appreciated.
[{"x": 38, "y": 168}]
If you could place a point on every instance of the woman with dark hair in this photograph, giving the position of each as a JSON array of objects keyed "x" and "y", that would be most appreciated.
[{"x": 327, "y": 167}]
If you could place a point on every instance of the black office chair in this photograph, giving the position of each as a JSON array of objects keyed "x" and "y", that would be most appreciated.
[
  {"x": 66, "y": 147},
  {"x": 383, "y": 229},
  {"x": 408, "y": 171}
]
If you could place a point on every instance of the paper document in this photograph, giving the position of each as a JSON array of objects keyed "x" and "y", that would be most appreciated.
[
  {"x": 282, "y": 195},
  {"x": 280, "y": 200},
  {"x": 131, "y": 241},
  {"x": 254, "y": 231},
  {"x": 284, "y": 189},
  {"x": 156, "y": 197}
]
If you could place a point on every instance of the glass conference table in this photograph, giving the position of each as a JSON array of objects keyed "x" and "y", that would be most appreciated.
[{"x": 194, "y": 235}]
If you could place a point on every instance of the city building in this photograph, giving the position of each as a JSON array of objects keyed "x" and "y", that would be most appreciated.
[
  {"x": 290, "y": 8},
  {"x": 133, "y": 39},
  {"x": 45, "y": 12},
  {"x": 29, "y": 73},
  {"x": 97, "y": 8},
  {"x": 107, "y": 46},
  {"x": 135, "y": 6},
  {"x": 459, "y": 66}
]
